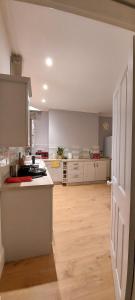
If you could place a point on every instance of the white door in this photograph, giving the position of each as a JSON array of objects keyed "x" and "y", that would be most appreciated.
[
  {"x": 101, "y": 170},
  {"x": 123, "y": 181},
  {"x": 89, "y": 171}
]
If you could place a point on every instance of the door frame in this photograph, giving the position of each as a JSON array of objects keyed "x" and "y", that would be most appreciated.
[
  {"x": 114, "y": 13},
  {"x": 108, "y": 11}
]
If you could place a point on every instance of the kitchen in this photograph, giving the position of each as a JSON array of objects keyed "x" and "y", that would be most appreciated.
[
  {"x": 75, "y": 167},
  {"x": 55, "y": 157}
]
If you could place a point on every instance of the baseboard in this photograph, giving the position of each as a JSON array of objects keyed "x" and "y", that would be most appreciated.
[{"x": 2, "y": 260}]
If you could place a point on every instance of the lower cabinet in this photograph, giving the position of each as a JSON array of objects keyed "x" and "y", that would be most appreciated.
[
  {"x": 88, "y": 171},
  {"x": 55, "y": 172},
  {"x": 26, "y": 219},
  {"x": 67, "y": 172},
  {"x": 74, "y": 172},
  {"x": 100, "y": 170}
]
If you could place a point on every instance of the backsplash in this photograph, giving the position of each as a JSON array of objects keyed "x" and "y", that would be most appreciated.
[{"x": 8, "y": 155}]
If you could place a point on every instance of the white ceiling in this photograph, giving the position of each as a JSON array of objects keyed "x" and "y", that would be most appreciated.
[{"x": 88, "y": 56}]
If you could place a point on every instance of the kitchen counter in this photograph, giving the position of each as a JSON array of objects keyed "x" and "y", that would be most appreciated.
[
  {"x": 26, "y": 218},
  {"x": 81, "y": 170},
  {"x": 76, "y": 159},
  {"x": 41, "y": 182}
]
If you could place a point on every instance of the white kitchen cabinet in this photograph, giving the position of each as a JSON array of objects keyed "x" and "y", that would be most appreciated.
[
  {"x": 75, "y": 172},
  {"x": 79, "y": 171},
  {"x": 55, "y": 172},
  {"x": 100, "y": 170},
  {"x": 89, "y": 171},
  {"x": 14, "y": 115},
  {"x": 95, "y": 170},
  {"x": 26, "y": 218}
]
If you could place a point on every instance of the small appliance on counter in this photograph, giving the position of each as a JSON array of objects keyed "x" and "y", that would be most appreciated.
[
  {"x": 95, "y": 152},
  {"x": 44, "y": 154},
  {"x": 96, "y": 155}
]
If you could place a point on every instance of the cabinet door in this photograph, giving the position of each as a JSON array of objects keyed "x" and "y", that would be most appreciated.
[
  {"x": 55, "y": 173},
  {"x": 101, "y": 170},
  {"x": 89, "y": 171},
  {"x": 14, "y": 111}
]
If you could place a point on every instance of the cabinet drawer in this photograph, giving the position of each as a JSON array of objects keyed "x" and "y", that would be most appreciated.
[
  {"x": 73, "y": 172},
  {"x": 75, "y": 178},
  {"x": 75, "y": 166}
]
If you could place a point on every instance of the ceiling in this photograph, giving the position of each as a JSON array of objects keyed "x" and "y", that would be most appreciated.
[{"x": 88, "y": 56}]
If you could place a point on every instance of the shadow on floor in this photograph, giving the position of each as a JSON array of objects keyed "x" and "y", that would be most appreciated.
[{"x": 28, "y": 273}]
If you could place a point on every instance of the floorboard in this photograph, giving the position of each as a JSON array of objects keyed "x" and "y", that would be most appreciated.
[{"x": 80, "y": 266}]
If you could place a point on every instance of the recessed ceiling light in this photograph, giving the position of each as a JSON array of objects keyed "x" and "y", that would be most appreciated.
[
  {"x": 45, "y": 87},
  {"x": 43, "y": 100},
  {"x": 49, "y": 61}
]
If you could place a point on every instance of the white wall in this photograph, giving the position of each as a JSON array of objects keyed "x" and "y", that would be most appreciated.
[
  {"x": 72, "y": 129},
  {"x": 4, "y": 68}
]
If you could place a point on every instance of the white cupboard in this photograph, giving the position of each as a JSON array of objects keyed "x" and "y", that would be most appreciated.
[
  {"x": 95, "y": 170},
  {"x": 100, "y": 170},
  {"x": 15, "y": 92},
  {"x": 26, "y": 215},
  {"x": 75, "y": 172},
  {"x": 85, "y": 171},
  {"x": 89, "y": 171},
  {"x": 55, "y": 172},
  {"x": 78, "y": 171}
]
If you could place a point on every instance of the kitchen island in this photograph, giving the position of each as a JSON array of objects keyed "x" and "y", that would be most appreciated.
[{"x": 26, "y": 218}]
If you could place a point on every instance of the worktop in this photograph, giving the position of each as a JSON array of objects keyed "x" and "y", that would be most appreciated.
[
  {"x": 41, "y": 182},
  {"x": 76, "y": 159}
]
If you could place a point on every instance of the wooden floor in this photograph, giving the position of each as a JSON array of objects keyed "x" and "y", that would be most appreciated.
[{"x": 81, "y": 252}]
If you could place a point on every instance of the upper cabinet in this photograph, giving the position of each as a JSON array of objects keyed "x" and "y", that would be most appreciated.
[{"x": 15, "y": 92}]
